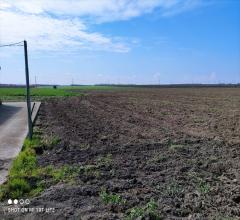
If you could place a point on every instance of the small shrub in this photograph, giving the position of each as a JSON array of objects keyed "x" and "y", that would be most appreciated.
[
  {"x": 105, "y": 161},
  {"x": 51, "y": 141},
  {"x": 135, "y": 213},
  {"x": 151, "y": 206},
  {"x": 203, "y": 187},
  {"x": 150, "y": 209},
  {"x": 110, "y": 198},
  {"x": 173, "y": 189},
  {"x": 90, "y": 170}
]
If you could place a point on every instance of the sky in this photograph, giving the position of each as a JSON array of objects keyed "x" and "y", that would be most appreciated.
[{"x": 121, "y": 41}]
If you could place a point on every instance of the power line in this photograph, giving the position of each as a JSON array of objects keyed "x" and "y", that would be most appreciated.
[{"x": 13, "y": 44}]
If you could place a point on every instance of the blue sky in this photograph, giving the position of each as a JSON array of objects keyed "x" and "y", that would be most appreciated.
[{"x": 124, "y": 41}]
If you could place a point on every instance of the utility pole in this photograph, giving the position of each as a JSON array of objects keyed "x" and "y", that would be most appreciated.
[{"x": 30, "y": 128}]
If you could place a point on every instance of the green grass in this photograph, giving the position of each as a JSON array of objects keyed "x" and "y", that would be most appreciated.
[
  {"x": 150, "y": 209},
  {"x": 50, "y": 141},
  {"x": 22, "y": 172},
  {"x": 27, "y": 179},
  {"x": 66, "y": 173},
  {"x": 36, "y": 93},
  {"x": 17, "y": 187},
  {"x": 173, "y": 189},
  {"x": 15, "y": 94},
  {"x": 111, "y": 198},
  {"x": 105, "y": 160},
  {"x": 203, "y": 187}
]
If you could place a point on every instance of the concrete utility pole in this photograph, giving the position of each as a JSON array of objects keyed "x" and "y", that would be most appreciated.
[{"x": 30, "y": 127}]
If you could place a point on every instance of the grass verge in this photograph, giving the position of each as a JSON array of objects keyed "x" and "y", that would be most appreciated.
[
  {"x": 23, "y": 175},
  {"x": 27, "y": 179}
]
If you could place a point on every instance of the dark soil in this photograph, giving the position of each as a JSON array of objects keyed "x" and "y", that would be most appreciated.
[{"x": 180, "y": 147}]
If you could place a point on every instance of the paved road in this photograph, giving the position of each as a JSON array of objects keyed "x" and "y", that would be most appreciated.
[{"x": 13, "y": 131}]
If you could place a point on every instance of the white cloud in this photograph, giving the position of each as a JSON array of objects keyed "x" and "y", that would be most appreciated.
[
  {"x": 54, "y": 25},
  {"x": 105, "y": 10},
  {"x": 46, "y": 33}
]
